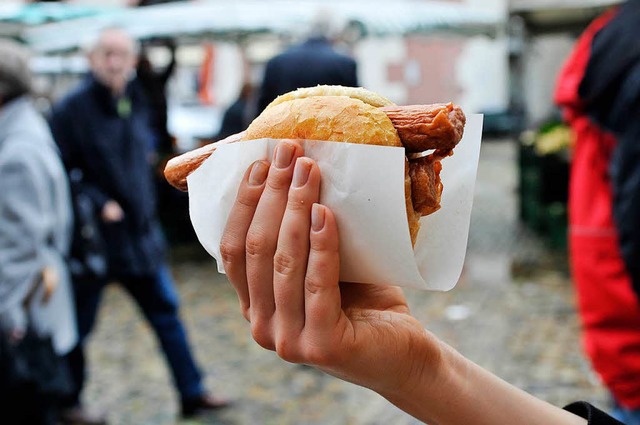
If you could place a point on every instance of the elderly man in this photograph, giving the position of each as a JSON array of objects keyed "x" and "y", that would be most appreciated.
[
  {"x": 35, "y": 232},
  {"x": 103, "y": 130}
]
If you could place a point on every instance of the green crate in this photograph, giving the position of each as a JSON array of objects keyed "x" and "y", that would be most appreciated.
[
  {"x": 530, "y": 187},
  {"x": 555, "y": 219},
  {"x": 547, "y": 219}
]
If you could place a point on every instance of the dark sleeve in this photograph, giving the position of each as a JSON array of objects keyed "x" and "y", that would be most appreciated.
[
  {"x": 232, "y": 120},
  {"x": 166, "y": 74},
  {"x": 352, "y": 78},
  {"x": 625, "y": 174},
  {"x": 611, "y": 93},
  {"x": 68, "y": 141},
  {"x": 625, "y": 164},
  {"x": 591, "y": 414},
  {"x": 268, "y": 90}
]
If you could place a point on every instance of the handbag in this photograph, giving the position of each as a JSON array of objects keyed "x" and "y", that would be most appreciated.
[
  {"x": 88, "y": 259},
  {"x": 32, "y": 365},
  {"x": 33, "y": 380},
  {"x": 30, "y": 362},
  {"x": 33, "y": 377}
]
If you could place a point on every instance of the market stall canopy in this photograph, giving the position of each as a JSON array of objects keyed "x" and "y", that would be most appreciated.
[
  {"x": 550, "y": 16},
  {"x": 241, "y": 18},
  {"x": 15, "y": 17}
]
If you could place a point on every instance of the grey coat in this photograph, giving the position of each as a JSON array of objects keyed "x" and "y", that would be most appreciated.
[{"x": 35, "y": 224}]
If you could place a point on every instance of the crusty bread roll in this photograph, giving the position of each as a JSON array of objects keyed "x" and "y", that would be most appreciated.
[
  {"x": 337, "y": 114},
  {"x": 355, "y": 115},
  {"x": 333, "y": 118},
  {"x": 360, "y": 93}
]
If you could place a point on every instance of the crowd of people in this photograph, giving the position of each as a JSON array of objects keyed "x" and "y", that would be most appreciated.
[{"x": 79, "y": 210}]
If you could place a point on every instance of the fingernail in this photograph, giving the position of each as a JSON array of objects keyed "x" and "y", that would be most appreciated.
[
  {"x": 317, "y": 217},
  {"x": 258, "y": 173},
  {"x": 301, "y": 172},
  {"x": 284, "y": 155}
]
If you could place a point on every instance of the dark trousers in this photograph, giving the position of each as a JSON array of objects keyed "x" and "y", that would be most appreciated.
[
  {"x": 158, "y": 300},
  {"x": 28, "y": 406}
]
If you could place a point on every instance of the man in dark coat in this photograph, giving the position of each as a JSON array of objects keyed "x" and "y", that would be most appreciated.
[
  {"x": 104, "y": 133},
  {"x": 308, "y": 64}
]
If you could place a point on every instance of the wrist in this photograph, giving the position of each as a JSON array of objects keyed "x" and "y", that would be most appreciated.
[{"x": 430, "y": 379}]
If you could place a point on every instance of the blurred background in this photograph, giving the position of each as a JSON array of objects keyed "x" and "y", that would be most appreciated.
[{"x": 513, "y": 310}]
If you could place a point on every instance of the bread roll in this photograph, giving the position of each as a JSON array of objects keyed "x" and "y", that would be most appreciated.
[
  {"x": 360, "y": 93},
  {"x": 337, "y": 114}
]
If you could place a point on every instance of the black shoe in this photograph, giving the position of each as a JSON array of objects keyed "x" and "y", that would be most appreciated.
[{"x": 202, "y": 404}]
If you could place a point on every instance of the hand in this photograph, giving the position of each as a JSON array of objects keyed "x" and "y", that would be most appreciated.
[
  {"x": 16, "y": 335},
  {"x": 112, "y": 212},
  {"x": 280, "y": 251},
  {"x": 50, "y": 280}
]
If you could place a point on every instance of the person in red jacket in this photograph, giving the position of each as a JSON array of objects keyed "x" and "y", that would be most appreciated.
[{"x": 599, "y": 92}]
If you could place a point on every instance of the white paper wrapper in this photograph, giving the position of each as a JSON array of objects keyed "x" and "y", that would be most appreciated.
[{"x": 367, "y": 197}]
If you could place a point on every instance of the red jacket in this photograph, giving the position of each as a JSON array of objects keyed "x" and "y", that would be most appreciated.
[{"x": 609, "y": 309}]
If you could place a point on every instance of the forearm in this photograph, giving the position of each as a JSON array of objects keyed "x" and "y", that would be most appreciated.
[{"x": 462, "y": 393}]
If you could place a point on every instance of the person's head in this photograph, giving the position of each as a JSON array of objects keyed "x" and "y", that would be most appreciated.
[
  {"x": 15, "y": 76},
  {"x": 113, "y": 58},
  {"x": 323, "y": 25}
]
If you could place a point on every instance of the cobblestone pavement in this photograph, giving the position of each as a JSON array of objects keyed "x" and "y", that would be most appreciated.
[{"x": 522, "y": 327}]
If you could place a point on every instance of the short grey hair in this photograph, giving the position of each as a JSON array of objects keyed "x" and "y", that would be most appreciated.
[
  {"x": 324, "y": 23},
  {"x": 90, "y": 44},
  {"x": 15, "y": 75}
]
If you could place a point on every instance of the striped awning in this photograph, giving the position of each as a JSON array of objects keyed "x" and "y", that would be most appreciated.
[
  {"x": 241, "y": 18},
  {"x": 42, "y": 13},
  {"x": 532, "y": 5},
  {"x": 553, "y": 16}
]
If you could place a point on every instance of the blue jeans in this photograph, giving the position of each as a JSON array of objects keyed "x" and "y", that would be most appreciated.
[
  {"x": 158, "y": 300},
  {"x": 624, "y": 415}
]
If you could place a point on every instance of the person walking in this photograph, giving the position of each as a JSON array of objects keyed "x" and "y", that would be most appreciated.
[
  {"x": 308, "y": 64},
  {"x": 37, "y": 320},
  {"x": 599, "y": 91},
  {"x": 103, "y": 130}
]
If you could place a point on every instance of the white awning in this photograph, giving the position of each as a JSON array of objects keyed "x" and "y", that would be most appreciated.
[
  {"x": 240, "y": 18},
  {"x": 532, "y": 5},
  {"x": 553, "y": 16}
]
